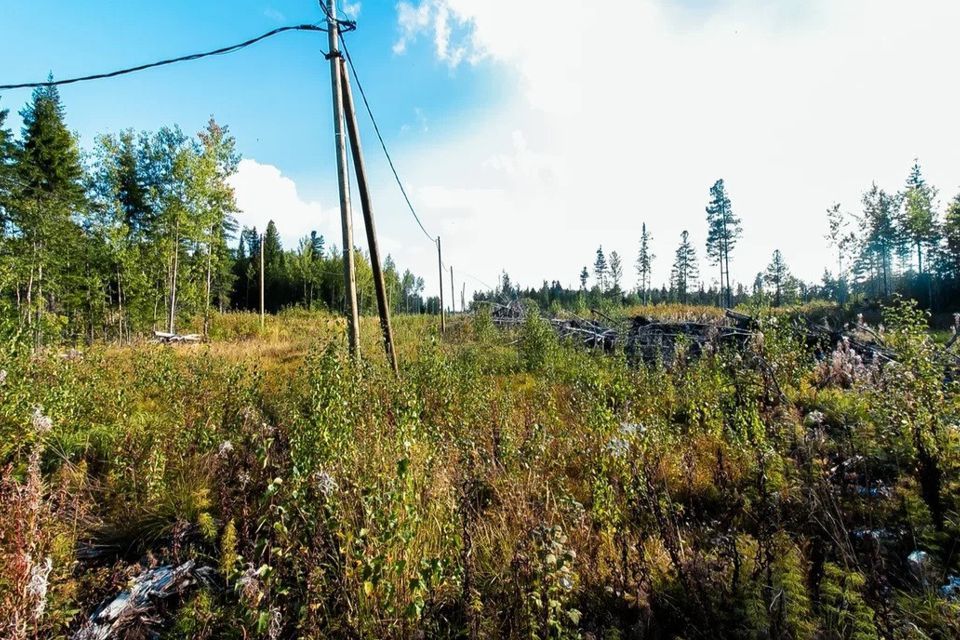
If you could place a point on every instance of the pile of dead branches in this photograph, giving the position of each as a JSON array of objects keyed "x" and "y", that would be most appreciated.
[
  {"x": 508, "y": 314},
  {"x": 649, "y": 341}
]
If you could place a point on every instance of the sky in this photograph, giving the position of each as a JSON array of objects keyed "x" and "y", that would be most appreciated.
[{"x": 530, "y": 132}]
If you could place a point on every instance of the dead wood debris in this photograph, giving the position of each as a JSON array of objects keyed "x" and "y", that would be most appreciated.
[
  {"x": 164, "y": 337},
  {"x": 645, "y": 340},
  {"x": 139, "y": 610}
]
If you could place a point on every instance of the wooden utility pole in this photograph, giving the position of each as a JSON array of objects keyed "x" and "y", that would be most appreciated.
[
  {"x": 463, "y": 298},
  {"x": 453, "y": 295},
  {"x": 383, "y": 303},
  {"x": 346, "y": 222},
  {"x": 443, "y": 320},
  {"x": 262, "y": 305}
]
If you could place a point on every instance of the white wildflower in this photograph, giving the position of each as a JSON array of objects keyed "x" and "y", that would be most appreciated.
[
  {"x": 226, "y": 448},
  {"x": 41, "y": 423},
  {"x": 37, "y": 586},
  {"x": 3, "y": 376},
  {"x": 325, "y": 483}
]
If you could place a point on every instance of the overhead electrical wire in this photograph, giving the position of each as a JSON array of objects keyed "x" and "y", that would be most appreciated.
[
  {"x": 151, "y": 65},
  {"x": 383, "y": 145},
  {"x": 366, "y": 103},
  {"x": 343, "y": 26}
]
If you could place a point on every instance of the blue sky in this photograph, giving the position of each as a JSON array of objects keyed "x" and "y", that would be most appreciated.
[
  {"x": 528, "y": 132},
  {"x": 273, "y": 95}
]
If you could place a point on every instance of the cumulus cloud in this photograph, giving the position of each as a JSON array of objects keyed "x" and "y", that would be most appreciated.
[
  {"x": 627, "y": 111},
  {"x": 263, "y": 193}
]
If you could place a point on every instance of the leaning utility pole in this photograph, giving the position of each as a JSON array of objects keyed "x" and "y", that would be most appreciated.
[
  {"x": 261, "y": 284},
  {"x": 453, "y": 295},
  {"x": 443, "y": 321},
  {"x": 383, "y": 304},
  {"x": 349, "y": 269}
]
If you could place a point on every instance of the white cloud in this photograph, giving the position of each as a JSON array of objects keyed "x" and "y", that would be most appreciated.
[
  {"x": 351, "y": 10},
  {"x": 628, "y": 110},
  {"x": 263, "y": 193},
  {"x": 274, "y": 14},
  {"x": 411, "y": 21}
]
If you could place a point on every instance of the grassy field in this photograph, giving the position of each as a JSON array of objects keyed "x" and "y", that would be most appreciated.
[{"x": 505, "y": 486}]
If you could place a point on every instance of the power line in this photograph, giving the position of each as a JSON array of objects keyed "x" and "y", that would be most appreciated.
[
  {"x": 142, "y": 67},
  {"x": 383, "y": 144}
]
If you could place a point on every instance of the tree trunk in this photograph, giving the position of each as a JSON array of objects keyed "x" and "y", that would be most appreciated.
[
  {"x": 120, "y": 304},
  {"x": 206, "y": 309},
  {"x": 171, "y": 324}
]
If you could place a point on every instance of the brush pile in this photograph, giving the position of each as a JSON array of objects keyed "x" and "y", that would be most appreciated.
[{"x": 647, "y": 340}]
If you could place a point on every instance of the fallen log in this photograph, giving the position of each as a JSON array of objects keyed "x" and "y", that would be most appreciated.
[{"x": 164, "y": 337}]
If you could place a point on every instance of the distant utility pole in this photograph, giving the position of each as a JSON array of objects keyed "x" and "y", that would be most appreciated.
[
  {"x": 346, "y": 222},
  {"x": 261, "y": 283},
  {"x": 443, "y": 321},
  {"x": 453, "y": 295},
  {"x": 383, "y": 303},
  {"x": 463, "y": 298}
]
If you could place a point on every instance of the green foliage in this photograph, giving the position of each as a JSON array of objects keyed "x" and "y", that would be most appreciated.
[{"x": 506, "y": 485}]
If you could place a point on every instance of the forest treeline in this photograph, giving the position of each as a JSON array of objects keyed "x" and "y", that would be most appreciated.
[
  {"x": 139, "y": 233},
  {"x": 898, "y": 242}
]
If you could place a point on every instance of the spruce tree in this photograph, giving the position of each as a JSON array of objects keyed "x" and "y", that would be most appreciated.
[
  {"x": 616, "y": 273},
  {"x": 644, "y": 262},
  {"x": 879, "y": 236},
  {"x": 951, "y": 232},
  {"x": 685, "y": 271},
  {"x": 777, "y": 276},
  {"x": 600, "y": 269},
  {"x": 919, "y": 218},
  {"x": 50, "y": 191}
]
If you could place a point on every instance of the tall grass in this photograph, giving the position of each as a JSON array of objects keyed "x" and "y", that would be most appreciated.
[{"x": 505, "y": 485}]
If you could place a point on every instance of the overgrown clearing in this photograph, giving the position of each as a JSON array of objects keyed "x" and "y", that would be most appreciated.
[{"x": 506, "y": 485}]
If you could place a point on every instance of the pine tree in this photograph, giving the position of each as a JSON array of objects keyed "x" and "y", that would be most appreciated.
[
  {"x": 600, "y": 269},
  {"x": 644, "y": 262},
  {"x": 584, "y": 276},
  {"x": 723, "y": 232},
  {"x": 685, "y": 270}
]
